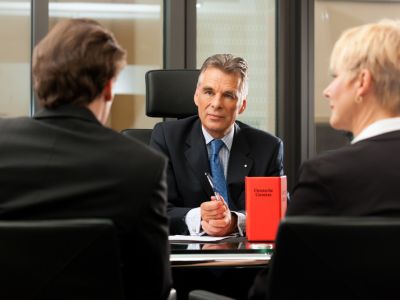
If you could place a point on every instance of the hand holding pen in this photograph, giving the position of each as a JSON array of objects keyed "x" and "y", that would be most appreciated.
[{"x": 215, "y": 214}]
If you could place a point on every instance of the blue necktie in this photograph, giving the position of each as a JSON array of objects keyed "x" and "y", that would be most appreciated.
[{"x": 217, "y": 170}]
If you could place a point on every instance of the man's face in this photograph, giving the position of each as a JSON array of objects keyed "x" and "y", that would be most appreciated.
[{"x": 218, "y": 100}]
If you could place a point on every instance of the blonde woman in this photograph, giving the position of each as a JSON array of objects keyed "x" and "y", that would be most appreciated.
[
  {"x": 361, "y": 179},
  {"x": 364, "y": 96}
]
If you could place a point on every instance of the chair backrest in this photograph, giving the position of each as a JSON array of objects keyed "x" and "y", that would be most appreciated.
[
  {"x": 335, "y": 258},
  {"x": 59, "y": 259},
  {"x": 169, "y": 93},
  {"x": 142, "y": 135}
]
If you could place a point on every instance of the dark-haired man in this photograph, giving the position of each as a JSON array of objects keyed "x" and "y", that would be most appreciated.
[{"x": 63, "y": 163}]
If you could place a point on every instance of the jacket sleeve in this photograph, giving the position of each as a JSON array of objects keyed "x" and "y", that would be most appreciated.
[{"x": 277, "y": 165}]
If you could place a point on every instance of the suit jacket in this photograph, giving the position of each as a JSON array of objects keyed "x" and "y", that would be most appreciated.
[
  {"x": 253, "y": 153},
  {"x": 63, "y": 163},
  {"x": 357, "y": 180}
]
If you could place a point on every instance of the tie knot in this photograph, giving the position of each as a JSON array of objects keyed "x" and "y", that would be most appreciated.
[{"x": 216, "y": 145}]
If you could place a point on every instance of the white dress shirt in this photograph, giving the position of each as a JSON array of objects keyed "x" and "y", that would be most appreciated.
[
  {"x": 378, "y": 128},
  {"x": 193, "y": 217}
]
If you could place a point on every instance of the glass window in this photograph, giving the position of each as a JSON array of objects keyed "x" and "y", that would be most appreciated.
[
  {"x": 15, "y": 28},
  {"x": 331, "y": 19},
  {"x": 244, "y": 28},
  {"x": 138, "y": 26}
]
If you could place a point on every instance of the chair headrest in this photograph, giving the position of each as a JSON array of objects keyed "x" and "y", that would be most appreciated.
[{"x": 169, "y": 93}]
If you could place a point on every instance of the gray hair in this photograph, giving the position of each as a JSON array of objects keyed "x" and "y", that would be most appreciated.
[{"x": 229, "y": 64}]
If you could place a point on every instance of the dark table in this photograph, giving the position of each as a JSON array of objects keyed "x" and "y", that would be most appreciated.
[{"x": 226, "y": 267}]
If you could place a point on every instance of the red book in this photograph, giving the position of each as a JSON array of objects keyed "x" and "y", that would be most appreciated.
[{"x": 266, "y": 200}]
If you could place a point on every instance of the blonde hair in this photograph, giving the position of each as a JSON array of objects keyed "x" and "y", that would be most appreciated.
[{"x": 375, "y": 47}]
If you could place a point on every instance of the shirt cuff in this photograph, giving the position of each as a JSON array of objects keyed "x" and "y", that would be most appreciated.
[
  {"x": 241, "y": 222},
  {"x": 193, "y": 221}
]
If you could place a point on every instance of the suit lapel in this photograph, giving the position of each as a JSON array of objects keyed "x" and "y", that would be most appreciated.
[
  {"x": 197, "y": 157},
  {"x": 240, "y": 163}
]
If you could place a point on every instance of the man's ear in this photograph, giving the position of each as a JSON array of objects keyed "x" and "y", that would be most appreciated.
[
  {"x": 242, "y": 106},
  {"x": 108, "y": 90},
  {"x": 364, "y": 82},
  {"x": 196, "y": 97}
]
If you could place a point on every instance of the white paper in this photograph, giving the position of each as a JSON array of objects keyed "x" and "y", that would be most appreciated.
[{"x": 197, "y": 238}]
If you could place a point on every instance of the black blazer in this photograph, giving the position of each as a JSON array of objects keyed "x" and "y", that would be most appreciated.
[
  {"x": 64, "y": 164},
  {"x": 357, "y": 180},
  {"x": 253, "y": 153}
]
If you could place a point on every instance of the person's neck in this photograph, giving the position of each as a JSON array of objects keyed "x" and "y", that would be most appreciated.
[
  {"x": 99, "y": 108},
  {"x": 369, "y": 116}
]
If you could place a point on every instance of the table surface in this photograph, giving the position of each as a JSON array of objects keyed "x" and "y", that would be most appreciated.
[{"x": 232, "y": 252}]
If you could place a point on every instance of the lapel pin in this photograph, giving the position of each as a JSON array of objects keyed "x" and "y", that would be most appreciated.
[{"x": 245, "y": 166}]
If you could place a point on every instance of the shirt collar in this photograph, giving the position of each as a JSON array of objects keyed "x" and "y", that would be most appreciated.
[
  {"x": 227, "y": 139},
  {"x": 377, "y": 128}
]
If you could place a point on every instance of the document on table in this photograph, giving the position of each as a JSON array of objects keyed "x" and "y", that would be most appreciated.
[{"x": 197, "y": 238}]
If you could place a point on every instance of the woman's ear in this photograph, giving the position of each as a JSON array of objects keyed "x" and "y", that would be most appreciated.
[{"x": 364, "y": 83}]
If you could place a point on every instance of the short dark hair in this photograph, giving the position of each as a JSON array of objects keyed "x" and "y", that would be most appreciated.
[
  {"x": 73, "y": 63},
  {"x": 229, "y": 64}
]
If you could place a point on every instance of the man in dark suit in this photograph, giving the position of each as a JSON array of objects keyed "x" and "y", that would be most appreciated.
[
  {"x": 63, "y": 163},
  {"x": 220, "y": 97}
]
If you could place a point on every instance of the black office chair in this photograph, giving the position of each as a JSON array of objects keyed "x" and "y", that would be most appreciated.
[
  {"x": 59, "y": 259},
  {"x": 142, "y": 135},
  {"x": 335, "y": 258},
  {"x": 169, "y": 94},
  {"x": 332, "y": 258}
]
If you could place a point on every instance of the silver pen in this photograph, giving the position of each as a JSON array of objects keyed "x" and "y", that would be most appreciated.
[{"x": 210, "y": 180}]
